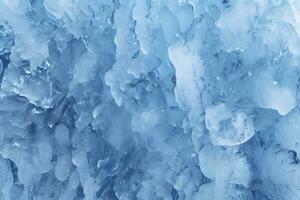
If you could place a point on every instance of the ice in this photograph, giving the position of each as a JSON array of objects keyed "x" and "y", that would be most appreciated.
[
  {"x": 287, "y": 132},
  {"x": 36, "y": 88},
  {"x": 58, "y": 8},
  {"x": 84, "y": 67},
  {"x": 149, "y": 99},
  {"x": 206, "y": 191},
  {"x": 228, "y": 128},
  {"x": 188, "y": 72},
  {"x": 6, "y": 178},
  {"x": 61, "y": 134},
  {"x": 63, "y": 167},
  {"x": 43, "y": 157},
  {"x": 6, "y": 39},
  {"x": 243, "y": 14},
  {"x": 270, "y": 95},
  {"x": 185, "y": 17},
  {"x": 189, "y": 83},
  {"x": 286, "y": 164},
  {"x": 169, "y": 24}
]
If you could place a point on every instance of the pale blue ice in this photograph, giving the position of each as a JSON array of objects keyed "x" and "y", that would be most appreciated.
[{"x": 149, "y": 99}]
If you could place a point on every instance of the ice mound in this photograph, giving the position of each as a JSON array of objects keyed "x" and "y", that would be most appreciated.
[{"x": 149, "y": 99}]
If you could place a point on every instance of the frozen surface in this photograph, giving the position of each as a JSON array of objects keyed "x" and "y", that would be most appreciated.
[{"x": 149, "y": 99}]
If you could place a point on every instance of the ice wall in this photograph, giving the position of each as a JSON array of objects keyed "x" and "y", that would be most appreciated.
[{"x": 149, "y": 99}]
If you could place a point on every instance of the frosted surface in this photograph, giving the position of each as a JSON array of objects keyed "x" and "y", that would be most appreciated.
[{"x": 149, "y": 99}]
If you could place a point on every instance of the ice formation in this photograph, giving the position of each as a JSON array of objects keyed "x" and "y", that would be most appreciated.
[{"x": 149, "y": 99}]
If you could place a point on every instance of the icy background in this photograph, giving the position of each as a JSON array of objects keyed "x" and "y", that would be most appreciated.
[{"x": 149, "y": 99}]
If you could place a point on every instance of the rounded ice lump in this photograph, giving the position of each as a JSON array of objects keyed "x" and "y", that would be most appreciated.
[{"x": 228, "y": 128}]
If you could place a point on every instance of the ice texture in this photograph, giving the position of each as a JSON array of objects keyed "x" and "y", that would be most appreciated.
[{"x": 149, "y": 99}]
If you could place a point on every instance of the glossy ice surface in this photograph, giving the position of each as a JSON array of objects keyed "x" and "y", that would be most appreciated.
[{"x": 149, "y": 99}]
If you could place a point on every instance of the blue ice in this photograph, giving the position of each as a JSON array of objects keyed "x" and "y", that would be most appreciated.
[{"x": 149, "y": 99}]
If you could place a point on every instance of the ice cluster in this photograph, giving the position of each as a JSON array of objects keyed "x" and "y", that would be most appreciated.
[{"x": 149, "y": 99}]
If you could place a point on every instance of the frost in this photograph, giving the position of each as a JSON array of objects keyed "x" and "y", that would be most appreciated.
[{"x": 149, "y": 99}]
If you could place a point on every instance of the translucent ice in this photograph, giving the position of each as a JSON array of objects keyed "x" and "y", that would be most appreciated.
[
  {"x": 149, "y": 99},
  {"x": 236, "y": 21},
  {"x": 227, "y": 128}
]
